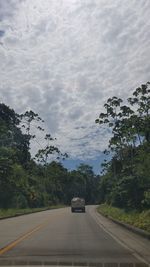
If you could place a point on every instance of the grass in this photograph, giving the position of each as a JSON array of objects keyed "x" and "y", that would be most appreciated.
[
  {"x": 140, "y": 220},
  {"x": 14, "y": 212}
]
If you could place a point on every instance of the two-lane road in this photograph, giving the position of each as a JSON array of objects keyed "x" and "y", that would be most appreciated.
[{"x": 61, "y": 237}]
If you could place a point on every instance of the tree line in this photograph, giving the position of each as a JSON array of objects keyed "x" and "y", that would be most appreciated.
[
  {"x": 36, "y": 182},
  {"x": 126, "y": 177}
]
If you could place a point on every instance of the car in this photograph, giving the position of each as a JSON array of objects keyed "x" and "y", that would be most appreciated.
[{"x": 78, "y": 204}]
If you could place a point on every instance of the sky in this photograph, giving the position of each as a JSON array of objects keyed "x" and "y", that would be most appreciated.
[{"x": 64, "y": 58}]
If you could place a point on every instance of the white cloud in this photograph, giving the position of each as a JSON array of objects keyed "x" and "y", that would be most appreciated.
[{"x": 64, "y": 58}]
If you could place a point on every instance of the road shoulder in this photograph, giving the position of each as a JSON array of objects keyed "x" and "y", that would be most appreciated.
[
  {"x": 138, "y": 245},
  {"x": 128, "y": 226}
]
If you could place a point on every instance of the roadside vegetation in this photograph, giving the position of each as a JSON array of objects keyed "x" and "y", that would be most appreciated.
[
  {"x": 125, "y": 180},
  {"x": 16, "y": 212},
  {"x": 133, "y": 217}
]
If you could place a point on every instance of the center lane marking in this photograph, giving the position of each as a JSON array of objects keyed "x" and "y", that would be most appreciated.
[{"x": 18, "y": 240}]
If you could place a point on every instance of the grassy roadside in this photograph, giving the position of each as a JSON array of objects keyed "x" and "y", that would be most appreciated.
[
  {"x": 14, "y": 212},
  {"x": 140, "y": 220}
]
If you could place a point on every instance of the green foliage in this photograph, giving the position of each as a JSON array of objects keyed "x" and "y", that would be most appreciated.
[
  {"x": 27, "y": 182},
  {"x": 146, "y": 200},
  {"x": 126, "y": 177}
]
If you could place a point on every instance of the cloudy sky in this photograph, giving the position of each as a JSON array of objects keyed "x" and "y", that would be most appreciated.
[{"x": 64, "y": 58}]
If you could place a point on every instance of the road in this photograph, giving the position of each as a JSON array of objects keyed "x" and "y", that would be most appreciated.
[{"x": 60, "y": 237}]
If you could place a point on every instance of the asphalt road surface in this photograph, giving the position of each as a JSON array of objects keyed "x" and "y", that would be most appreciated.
[{"x": 59, "y": 237}]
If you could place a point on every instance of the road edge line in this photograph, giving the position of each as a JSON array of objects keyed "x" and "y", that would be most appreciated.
[
  {"x": 134, "y": 253},
  {"x": 129, "y": 227}
]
